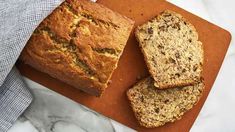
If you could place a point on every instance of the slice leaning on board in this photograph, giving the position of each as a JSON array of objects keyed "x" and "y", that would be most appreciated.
[{"x": 171, "y": 50}]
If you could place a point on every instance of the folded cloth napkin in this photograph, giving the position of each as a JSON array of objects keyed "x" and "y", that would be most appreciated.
[{"x": 18, "y": 19}]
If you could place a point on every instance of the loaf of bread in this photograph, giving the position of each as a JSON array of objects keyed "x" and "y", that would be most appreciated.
[
  {"x": 80, "y": 43},
  {"x": 154, "y": 107},
  {"x": 171, "y": 50}
]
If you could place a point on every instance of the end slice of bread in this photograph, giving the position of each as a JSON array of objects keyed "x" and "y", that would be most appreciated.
[
  {"x": 171, "y": 49},
  {"x": 154, "y": 107}
]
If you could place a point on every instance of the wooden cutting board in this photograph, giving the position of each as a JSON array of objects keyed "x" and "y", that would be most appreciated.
[{"x": 114, "y": 103}]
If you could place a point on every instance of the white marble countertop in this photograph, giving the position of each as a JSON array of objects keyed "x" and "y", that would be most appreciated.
[{"x": 52, "y": 112}]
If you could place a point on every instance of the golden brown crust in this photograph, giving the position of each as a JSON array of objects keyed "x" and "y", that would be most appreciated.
[{"x": 80, "y": 43}]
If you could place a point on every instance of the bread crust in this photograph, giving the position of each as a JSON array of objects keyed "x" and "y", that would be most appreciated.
[{"x": 79, "y": 43}]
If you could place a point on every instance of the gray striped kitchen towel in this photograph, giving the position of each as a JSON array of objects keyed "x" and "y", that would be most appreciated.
[{"x": 18, "y": 19}]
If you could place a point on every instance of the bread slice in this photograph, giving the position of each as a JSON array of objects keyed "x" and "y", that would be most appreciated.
[
  {"x": 171, "y": 49},
  {"x": 154, "y": 107}
]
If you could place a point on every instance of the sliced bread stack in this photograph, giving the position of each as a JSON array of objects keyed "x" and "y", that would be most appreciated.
[{"x": 174, "y": 57}]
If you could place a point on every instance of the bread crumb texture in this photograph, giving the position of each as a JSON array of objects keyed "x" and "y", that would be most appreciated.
[
  {"x": 172, "y": 51},
  {"x": 154, "y": 107}
]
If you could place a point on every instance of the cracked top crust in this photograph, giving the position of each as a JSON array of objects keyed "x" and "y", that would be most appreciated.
[{"x": 80, "y": 43}]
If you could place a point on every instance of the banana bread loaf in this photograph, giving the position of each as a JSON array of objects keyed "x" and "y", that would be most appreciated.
[{"x": 79, "y": 43}]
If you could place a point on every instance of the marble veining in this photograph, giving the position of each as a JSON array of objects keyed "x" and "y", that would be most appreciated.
[{"x": 52, "y": 112}]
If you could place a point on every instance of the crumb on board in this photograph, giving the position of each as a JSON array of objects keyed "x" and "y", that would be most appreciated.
[
  {"x": 110, "y": 81},
  {"x": 138, "y": 77}
]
